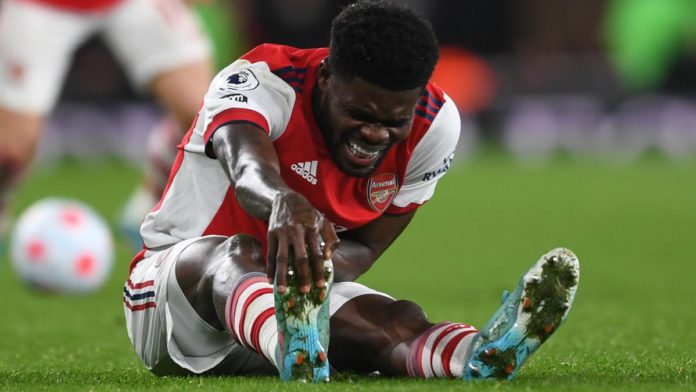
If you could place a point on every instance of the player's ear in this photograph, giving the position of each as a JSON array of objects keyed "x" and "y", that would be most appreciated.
[{"x": 323, "y": 75}]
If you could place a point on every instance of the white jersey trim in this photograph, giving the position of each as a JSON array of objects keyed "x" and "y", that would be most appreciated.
[{"x": 431, "y": 157}]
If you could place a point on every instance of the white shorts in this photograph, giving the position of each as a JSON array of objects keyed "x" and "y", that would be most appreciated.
[
  {"x": 167, "y": 333},
  {"x": 37, "y": 43}
]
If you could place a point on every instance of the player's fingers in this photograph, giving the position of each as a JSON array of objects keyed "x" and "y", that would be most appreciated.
[
  {"x": 271, "y": 254},
  {"x": 330, "y": 239},
  {"x": 316, "y": 261},
  {"x": 301, "y": 261},
  {"x": 281, "y": 265}
]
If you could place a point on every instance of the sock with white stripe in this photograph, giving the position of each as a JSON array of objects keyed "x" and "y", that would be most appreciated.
[
  {"x": 250, "y": 315},
  {"x": 439, "y": 352}
]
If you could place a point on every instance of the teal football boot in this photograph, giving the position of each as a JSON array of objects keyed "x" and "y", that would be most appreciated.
[
  {"x": 303, "y": 328},
  {"x": 526, "y": 318}
]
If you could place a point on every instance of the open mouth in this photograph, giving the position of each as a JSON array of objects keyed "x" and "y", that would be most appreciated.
[{"x": 362, "y": 155}]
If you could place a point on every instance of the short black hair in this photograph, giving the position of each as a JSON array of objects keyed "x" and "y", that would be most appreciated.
[{"x": 383, "y": 43}]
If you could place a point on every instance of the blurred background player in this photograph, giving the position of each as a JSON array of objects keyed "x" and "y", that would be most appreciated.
[{"x": 159, "y": 43}]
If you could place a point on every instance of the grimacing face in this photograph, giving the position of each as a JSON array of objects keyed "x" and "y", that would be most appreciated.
[{"x": 361, "y": 121}]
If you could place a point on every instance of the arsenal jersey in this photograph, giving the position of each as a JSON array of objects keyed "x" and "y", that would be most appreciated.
[
  {"x": 271, "y": 87},
  {"x": 79, "y": 5}
]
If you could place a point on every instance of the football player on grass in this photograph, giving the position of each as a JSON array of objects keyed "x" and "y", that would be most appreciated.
[{"x": 302, "y": 167}]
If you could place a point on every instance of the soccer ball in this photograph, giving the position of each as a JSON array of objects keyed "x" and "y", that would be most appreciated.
[{"x": 62, "y": 245}]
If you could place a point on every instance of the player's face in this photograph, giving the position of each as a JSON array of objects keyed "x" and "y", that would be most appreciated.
[{"x": 361, "y": 121}]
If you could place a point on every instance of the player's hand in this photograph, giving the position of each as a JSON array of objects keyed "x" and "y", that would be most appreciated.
[{"x": 295, "y": 226}]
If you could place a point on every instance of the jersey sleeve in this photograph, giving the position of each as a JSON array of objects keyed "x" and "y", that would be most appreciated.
[
  {"x": 246, "y": 92},
  {"x": 430, "y": 160}
]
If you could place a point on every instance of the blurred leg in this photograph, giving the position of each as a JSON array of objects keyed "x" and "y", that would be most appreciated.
[
  {"x": 181, "y": 90},
  {"x": 161, "y": 152},
  {"x": 19, "y": 136},
  {"x": 36, "y": 44},
  {"x": 164, "y": 50}
]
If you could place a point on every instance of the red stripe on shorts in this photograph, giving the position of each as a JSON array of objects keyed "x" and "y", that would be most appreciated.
[
  {"x": 136, "y": 308},
  {"x": 141, "y": 285}
]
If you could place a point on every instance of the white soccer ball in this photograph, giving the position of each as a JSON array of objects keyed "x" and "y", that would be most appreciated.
[{"x": 62, "y": 246}]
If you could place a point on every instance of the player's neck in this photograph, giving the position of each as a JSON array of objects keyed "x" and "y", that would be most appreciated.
[{"x": 317, "y": 104}]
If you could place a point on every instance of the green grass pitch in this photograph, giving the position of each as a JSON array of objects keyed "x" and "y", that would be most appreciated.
[{"x": 633, "y": 325}]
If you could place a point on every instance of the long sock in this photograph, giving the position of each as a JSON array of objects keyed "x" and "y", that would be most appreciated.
[
  {"x": 439, "y": 352},
  {"x": 250, "y": 315}
]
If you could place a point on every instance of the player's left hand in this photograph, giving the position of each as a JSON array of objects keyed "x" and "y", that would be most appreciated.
[{"x": 295, "y": 225}]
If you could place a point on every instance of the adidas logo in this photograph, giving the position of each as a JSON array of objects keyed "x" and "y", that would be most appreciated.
[{"x": 308, "y": 170}]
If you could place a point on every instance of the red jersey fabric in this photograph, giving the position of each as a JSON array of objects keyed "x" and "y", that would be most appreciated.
[
  {"x": 271, "y": 87},
  {"x": 78, "y": 5}
]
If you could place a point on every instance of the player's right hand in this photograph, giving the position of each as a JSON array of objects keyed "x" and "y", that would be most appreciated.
[{"x": 295, "y": 225}]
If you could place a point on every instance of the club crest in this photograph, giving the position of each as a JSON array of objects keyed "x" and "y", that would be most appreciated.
[{"x": 381, "y": 190}]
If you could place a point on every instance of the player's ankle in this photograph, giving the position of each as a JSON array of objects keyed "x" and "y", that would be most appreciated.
[
  {"x": 250, "y": 316},
  {"x": 439, "y": 352}
]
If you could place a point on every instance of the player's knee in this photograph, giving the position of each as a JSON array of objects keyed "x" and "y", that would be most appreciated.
[
  {"x": 403, "y": 322},
  {"x": 206, "y": 261},
  {"x": 192, "y": 267},
  {"x": 405, "y": 313},
  {"x": 208, "y": 268},
  {"x": 244, "y": 250},
  {"x": 236, "y": 256}
]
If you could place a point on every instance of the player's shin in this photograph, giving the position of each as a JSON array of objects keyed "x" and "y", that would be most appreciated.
[
  {"x": 439, "y": 352},
  {"x": 250, "y": 315}
]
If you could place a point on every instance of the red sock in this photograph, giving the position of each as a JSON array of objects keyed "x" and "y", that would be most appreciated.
[
  {"x": 439, "y": 352},
  {"x": 250, "y": 315}
]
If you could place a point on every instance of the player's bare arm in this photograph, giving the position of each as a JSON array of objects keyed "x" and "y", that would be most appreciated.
[
  {"x": 361, "y": 247},
  {"x": 251, "y": 163}
]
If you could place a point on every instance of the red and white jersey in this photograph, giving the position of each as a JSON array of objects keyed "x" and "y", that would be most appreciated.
[
  {"x": 79, "y": 5},
  {"x": 271, "y": 87}
]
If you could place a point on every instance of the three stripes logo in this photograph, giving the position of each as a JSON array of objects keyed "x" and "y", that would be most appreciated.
[{"x": 308, "y": 170}]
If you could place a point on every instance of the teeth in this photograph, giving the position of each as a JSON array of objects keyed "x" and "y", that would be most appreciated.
[{"x": 360, "y": 152}]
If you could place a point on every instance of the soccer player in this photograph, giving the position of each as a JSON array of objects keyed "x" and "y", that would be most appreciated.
[
  {"x": 158, "y": 42},
  {"x": 302, "y": 167}
]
